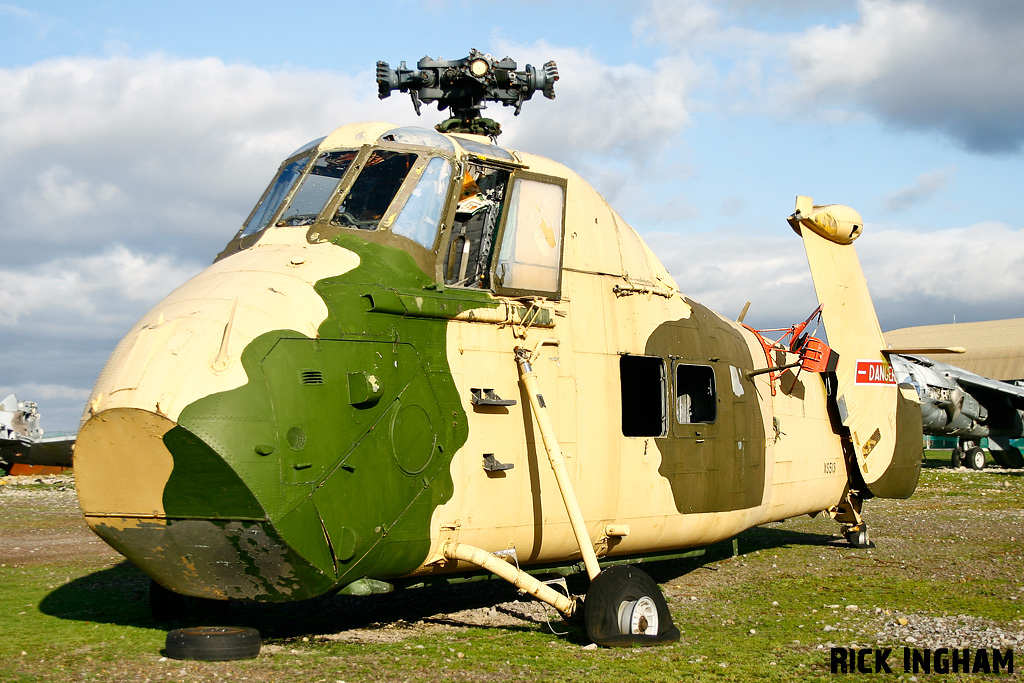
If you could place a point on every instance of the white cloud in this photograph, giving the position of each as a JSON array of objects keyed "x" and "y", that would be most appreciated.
[
  {"x": 114, "y": 287},
  {"x": 927, "y": 65},
  {"x": 32, "y": 391},
  {"x": 977, "y": 265},
  {"x": 153, "y": 152},
  {"x": 914, "y": 277},
  {"x": 679, "y": 22},
  {"x": 926, "y": 186},
  {"x": 60, "y": 318},
  {"x": 723, "y": 272},
  {"x": 614, "y": 125}
]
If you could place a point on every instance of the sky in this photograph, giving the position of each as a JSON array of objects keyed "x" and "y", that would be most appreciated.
[{"x": 135, "y": 138}]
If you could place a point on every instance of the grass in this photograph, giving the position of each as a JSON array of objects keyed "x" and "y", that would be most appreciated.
[{"x": 769, "y": 613}]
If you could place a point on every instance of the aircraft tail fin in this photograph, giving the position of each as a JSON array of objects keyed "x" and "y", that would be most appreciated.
[{"x": 884, "y": 419}]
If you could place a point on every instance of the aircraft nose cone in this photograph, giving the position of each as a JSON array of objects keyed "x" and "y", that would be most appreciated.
[
  {"x": 167, "y": 501},
  {"x": 122, "y": 464}
]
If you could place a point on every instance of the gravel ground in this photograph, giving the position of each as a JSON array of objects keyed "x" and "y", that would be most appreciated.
[{"x": 962, "y": 527}]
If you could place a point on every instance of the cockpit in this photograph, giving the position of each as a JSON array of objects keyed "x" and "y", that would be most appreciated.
[{"x": 470, "y": 214}]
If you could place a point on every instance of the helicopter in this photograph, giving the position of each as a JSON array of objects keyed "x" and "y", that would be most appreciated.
[{"x": 425, "y": 357}]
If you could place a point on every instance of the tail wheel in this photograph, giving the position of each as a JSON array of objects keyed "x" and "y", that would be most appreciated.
[
  {"x": 975, "y": 458},
  {"x": 858, "y": 538},
  {"x": 213, "y": 643},
  {"x": 624, "y": 606}
]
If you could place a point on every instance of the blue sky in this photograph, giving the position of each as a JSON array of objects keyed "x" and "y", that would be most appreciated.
[{"x": 135, "y": 137}]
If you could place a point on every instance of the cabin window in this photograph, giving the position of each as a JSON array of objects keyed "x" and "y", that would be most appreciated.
[
  {"x": 477, "y": 216},
  {"x": 642, "y": 380},
  {"x": 695, "y": 394},
  {"x": 372, "y": 192},
  {"x": 275, "y": 194},
  {"x": 531, "y": 248},
  {"x": 317, "y": 187},
  {"x": 422, "y": 211}
]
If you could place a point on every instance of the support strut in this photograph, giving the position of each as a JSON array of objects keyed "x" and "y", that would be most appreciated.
[
  {"x": 554, "y": 451},
  {"x": 514, "y": 575}
]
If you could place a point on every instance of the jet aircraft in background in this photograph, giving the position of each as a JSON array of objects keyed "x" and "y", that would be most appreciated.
[
  {"x": 23, "y": 448},
  {"x": 959, "y": 403}
]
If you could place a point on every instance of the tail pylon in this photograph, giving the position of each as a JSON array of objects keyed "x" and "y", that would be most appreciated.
[{"x": 883, "y": 419}]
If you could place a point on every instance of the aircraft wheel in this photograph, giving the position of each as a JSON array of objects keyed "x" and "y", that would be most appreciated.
[
  {"x": 956, "y": 458},
  {"x": 624, "y": 606},
  {"x": 859, "y": 538},
  {"x": 213, "y": 643},
  {"x": 975, "y": 458}
]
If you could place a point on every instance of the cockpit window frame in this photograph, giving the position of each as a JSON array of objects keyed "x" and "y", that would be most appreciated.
[
  {"x": 500, "y": 290},
  {"x": 247, "y": 240},
  {"x": 324, "y": 230}
]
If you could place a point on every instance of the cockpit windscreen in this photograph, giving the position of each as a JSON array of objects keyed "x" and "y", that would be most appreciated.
[
  {"x": 274, "y": 195},
  {"x": 374, "y": 189},
  {"x": 356, "y": 189},
  {"x": 317, "y": 187}
]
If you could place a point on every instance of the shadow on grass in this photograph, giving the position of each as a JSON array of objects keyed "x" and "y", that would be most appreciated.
[{"x": 120, "y": 595}]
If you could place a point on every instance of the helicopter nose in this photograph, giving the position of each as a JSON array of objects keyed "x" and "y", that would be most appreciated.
[
  {"x": 168, "y": 502},
  {"x": 180, "y": 502},
  {"x": 122, "y": 463}
]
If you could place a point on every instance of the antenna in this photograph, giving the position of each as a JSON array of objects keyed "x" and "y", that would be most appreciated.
[{"x": 464, "y": 85}]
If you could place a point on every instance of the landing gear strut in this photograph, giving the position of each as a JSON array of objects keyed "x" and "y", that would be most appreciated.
[
  {"x": 623, "y": 605},
  {"x": 855, "y": 529}
]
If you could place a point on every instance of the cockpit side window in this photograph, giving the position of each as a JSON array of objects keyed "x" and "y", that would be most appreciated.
[
  {"x": 530, "y": 256},
  {"x": 373, "y": 191},
  {"x": 275, "y": 194},
  {"x": 317, "y": 188},
  {"x": 421, "y": 214}
]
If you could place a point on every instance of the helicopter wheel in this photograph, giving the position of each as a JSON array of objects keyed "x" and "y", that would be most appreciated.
[
  {"x": 975, "y": 458},
  {"x": 624, "y": 606},
  {"x": 213, "y": 643},
  {"x": 859, "y": 538}
]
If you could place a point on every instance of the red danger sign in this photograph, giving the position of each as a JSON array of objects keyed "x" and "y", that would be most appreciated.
[{"x": 874, "y": 372}]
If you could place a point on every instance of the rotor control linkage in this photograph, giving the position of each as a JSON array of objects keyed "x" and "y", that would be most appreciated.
[{"x": 463, "y": 85}]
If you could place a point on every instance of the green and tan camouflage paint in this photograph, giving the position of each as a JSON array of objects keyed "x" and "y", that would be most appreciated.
[{"x": 299, "y": 415}]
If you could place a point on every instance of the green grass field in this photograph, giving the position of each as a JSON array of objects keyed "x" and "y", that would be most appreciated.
[{"x": 947, "y": 571}]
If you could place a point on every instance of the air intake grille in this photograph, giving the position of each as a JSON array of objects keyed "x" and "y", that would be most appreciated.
[{"x": 312, "y": 377}]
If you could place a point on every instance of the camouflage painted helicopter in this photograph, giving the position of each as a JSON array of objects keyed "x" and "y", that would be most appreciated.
[{"x": 425, "y": 356}]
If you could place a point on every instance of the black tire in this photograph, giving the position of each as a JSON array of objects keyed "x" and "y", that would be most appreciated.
[
  {"x": 619, "y": 593},
  {"x": 956, "y": 458},
  {"x": 975, "y": 458},
  {"x": 213, "y": 643}
]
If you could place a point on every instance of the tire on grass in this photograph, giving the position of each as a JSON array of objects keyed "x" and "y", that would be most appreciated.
[
  {"x": 213, "y": 643},
  {"x": 624, "y": 607}
]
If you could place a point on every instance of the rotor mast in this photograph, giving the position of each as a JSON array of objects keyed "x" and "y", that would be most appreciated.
[{"x": 464, "y": 85}]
